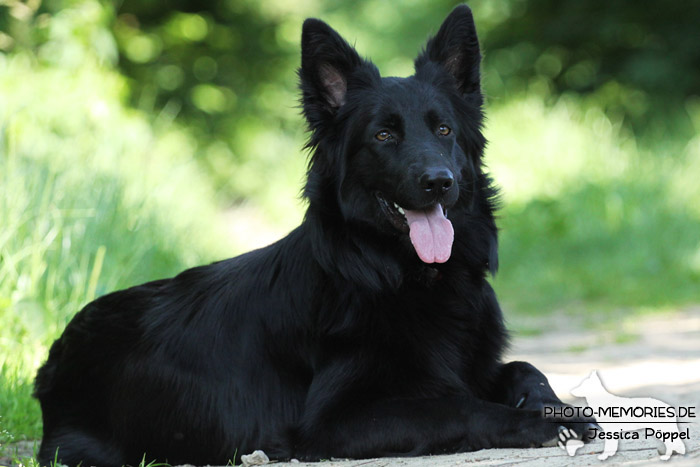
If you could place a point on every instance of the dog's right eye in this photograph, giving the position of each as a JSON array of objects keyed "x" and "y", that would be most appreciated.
[
  {"x": 444, "y": 130},
  {"x": 383, "y": 135}
]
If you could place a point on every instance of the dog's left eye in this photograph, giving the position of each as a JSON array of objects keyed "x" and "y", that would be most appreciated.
[
  {"x": 383, "y": 135},
  {"x": 444, "y": 130}
]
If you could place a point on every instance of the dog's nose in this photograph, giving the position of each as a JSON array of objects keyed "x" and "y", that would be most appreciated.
[{"x": 436, "y": 180}]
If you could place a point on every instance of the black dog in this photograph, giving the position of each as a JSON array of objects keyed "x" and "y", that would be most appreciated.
[{"x": 370, "y": 330}]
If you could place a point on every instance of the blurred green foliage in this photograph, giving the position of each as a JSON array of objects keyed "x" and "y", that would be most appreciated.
[
  {"x": 594, "y": 218},
  {"x": 647, "y": 47},
  {"x": 94, "y": 195},
  {"x": 141, "y": 137},
  {"x": 228, "y": 69}
]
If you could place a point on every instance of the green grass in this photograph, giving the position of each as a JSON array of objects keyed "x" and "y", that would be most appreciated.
[
  {"x": 17, "y": 454},
  {"x": 593, "y": 218},
  {"x": 93, "y": 198}
]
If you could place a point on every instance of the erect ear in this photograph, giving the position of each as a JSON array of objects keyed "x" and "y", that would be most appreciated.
[
  {"x": 326, "y": 63},
  {"x": 456, "y": 48}
]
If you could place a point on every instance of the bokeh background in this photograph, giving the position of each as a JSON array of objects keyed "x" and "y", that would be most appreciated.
[{"x": 140, "y": 137}]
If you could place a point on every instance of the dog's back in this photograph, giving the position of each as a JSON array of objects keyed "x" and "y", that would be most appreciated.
[{"x": 175, "y": 351}]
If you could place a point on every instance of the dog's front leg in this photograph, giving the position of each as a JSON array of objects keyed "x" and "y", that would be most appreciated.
[
  {"x": 400, "y": 427},
  {"x": 349, "y": 414}
]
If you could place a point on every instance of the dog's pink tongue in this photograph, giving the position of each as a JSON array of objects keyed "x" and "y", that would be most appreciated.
[{"x": 431, "y": 234}]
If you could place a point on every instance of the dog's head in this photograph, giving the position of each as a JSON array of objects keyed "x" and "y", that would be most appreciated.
[{"x": 397, "y": 156}]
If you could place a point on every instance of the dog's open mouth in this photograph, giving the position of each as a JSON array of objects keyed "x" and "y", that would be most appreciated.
[{"x": 430, "y": 231}]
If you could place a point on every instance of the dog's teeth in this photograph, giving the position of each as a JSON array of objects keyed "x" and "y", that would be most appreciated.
[{"x": 398, "y": 208}]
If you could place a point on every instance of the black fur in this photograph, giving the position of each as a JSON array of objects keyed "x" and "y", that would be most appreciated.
[{"x": 336, "y": 341}]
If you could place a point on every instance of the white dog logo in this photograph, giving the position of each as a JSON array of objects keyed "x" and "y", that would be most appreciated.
[{"x": 601, "y": 401}]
